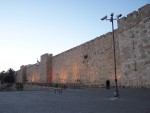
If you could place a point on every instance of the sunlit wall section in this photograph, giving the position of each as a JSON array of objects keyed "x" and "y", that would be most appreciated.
[
  {"x": 21, "y": 75},
  {"x": 91, "y": 63},
  {"x": 46, "y": 68},
  {"x": 32, "y": 73},
  {"x": 66, "y": 66}
]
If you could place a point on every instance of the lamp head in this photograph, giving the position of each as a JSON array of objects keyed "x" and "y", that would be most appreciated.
[
  {"x": 112, "y": 14},
  {"x": 105, "y": 17},
  {"x": 118, "y": 16}
]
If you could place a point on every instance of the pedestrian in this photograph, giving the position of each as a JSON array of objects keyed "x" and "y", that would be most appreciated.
[{"x": 107, "y": 84}]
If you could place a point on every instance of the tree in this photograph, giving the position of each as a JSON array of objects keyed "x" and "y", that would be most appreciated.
[
  {"x": 7, "y": 77},
  {"x": 2, "y": 75}
]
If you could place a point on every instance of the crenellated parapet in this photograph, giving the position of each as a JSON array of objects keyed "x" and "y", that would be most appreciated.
[
  {"x": 134, "y": 48},
  {"x": 134, "y": 18}
]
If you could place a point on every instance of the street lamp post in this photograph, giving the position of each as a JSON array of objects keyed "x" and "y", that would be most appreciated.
[{"x": 116, "y": 93}]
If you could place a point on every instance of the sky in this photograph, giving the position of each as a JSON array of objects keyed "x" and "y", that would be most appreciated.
[{"x": 30, "y": 28}]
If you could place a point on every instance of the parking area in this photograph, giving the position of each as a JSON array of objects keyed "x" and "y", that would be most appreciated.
[{"x": 89, "y": 100}]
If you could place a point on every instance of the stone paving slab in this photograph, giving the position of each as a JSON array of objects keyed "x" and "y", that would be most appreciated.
[{"x": 96, "y": 100}]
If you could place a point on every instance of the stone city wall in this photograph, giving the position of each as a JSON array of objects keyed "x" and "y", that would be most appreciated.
[
  {"x": 36, "y": 73},
  {"x": 134, "y": 41},
  {"x": 92, "y": 63},
  {"x": 21, "y": 75},
  {"x": 32, "y": 73}
]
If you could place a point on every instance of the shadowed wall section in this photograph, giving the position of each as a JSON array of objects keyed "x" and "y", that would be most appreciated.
[{"x": 134, "y": 41}]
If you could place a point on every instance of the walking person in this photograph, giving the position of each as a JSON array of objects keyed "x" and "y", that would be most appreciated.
[{"x": 107, "y": 84}]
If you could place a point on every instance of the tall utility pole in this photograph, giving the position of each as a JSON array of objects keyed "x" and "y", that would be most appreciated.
[{"x": 116, "y": 93}]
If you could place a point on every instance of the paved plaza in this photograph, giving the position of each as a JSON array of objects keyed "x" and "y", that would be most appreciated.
[{"x": 90, "y": 100}]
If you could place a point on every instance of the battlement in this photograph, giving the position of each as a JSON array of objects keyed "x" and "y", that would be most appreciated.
[{"x": 142, "y": 15}]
